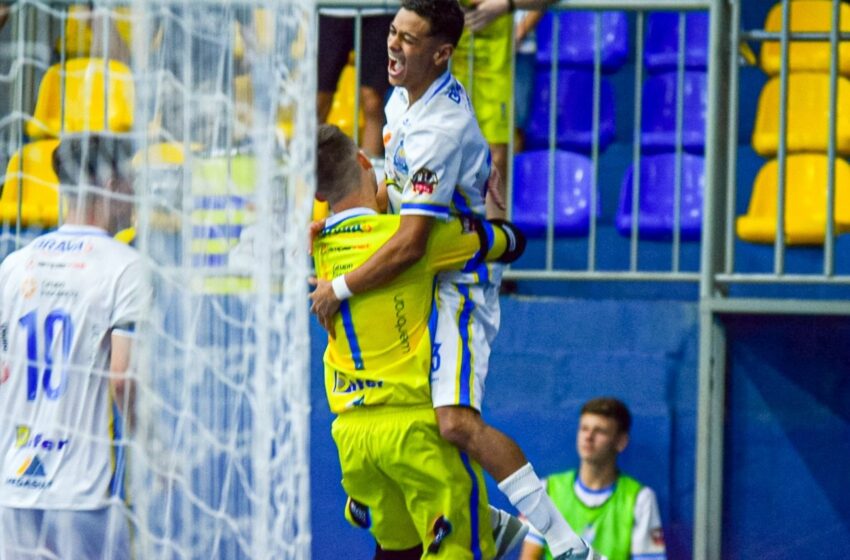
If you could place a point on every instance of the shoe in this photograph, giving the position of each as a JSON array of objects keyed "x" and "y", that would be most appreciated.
[
  {"x": 508, "y": 533},
  {"x": 587, "y": 554}
]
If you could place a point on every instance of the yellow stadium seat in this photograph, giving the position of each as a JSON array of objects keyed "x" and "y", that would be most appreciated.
[
  {"x": 39, "y": 188},
  {"x": 78, "y": 30},
  {"x": 85, "y": 97},
  {"x": 806, "y": 56},
  {"x": 342, "y": 109},
  {"x": 805, "y": 201},
  {"x": 808, "y": 115}
]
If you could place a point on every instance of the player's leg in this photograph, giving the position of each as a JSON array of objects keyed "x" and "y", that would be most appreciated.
[
  {"x": 22, "y": 534},
  {"x": 414, "y": 553},
  {"x": 336, "y": 36},
  {"x": 374, "y": 82},
  {"x": 100, "y": 534},
  {"x": 375, "y": 501},
  {"x": 466, "y": 324},
  {"x": 444, "y": 490}
]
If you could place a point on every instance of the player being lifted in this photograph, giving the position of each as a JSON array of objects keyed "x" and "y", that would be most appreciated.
[
  {"x": 437, "y": 165},
  {"x": 406, "y": 484},
  {"x": 69, "y": 301}
]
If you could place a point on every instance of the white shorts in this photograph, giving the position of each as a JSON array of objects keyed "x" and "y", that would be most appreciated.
[
  {"x": 467, "y": 321},
  {"x": 30, "y": 534}
]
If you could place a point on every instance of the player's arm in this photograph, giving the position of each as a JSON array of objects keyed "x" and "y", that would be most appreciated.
[
  {"x": 434, "y": 157},
  {"x": 464, "y": 243},
  {"x": 483, "y": 12},
  {"x": 647, "y": 533},
  {"x": 401, "y": 251},
  {"x": 120, "y": 380}
]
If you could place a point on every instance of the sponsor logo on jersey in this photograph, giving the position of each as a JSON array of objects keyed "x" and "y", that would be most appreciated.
[
  {"x": 387, "y": 137},
  {"x": 344, "y": 384},
  {"x": 400, "y": 159},
  {"x": 401, "y": 323},
  {"x": 657, "y": 536},
  {"x": 424, "y": 181},
  {"x": 51, "y": 245},
  {"x": 454, "y": 92},
  {"x": 30, "y": 474},
  {"x": 24, "y": 438},
  {"x": 28, "y": 287},
  {"x": 4, "y": 336},
  {"x": 354, "y": 228}
]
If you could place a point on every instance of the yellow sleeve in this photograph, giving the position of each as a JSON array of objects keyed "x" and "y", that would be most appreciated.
[{"x": 454, "y": 245}]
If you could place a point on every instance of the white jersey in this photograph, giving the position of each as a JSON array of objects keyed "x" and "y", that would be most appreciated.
[
  {"x": 61, "y": 298},
  {"x": 437, "y": 160}
]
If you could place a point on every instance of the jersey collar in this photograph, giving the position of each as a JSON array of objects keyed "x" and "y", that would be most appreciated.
[
  {"x": 346, "y": 214},
  {"x": 81, "y": 229},
  {"x": 436, "y": 87}
]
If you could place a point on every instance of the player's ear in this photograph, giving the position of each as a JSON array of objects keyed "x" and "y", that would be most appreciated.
[
  {"x": 364, "y": 160},
  {"x": 622, "y": 442},
  {"x": 443, "y": 54}
]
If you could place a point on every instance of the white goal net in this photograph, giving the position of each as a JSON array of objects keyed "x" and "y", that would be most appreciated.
[{"x": 219, "y": 98}]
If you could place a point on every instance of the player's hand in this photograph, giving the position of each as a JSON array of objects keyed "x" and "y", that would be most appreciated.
[
  {"x": 316, "y": 228},
  {"x": 483, "y": 13},
  {"x": 495, "y": 188},
  {"x": 325, "y": 305}
]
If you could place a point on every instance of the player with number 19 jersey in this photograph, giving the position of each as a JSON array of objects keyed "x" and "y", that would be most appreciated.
[{"x": 63, "y": 296}]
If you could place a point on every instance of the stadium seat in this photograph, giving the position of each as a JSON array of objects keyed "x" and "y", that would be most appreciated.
[
  {"x": 661, "y": 47},
  {"x": 222, "y": 206},
  {"x": 83, "y": 88},
  {"x": 657, "y": 190},
  {"x": 805, "y": 195},
  {"x": 342, "y": 108},
  {"x": 808, "y": 115},
  {"x": 30, "y": 171},
  {"x": 658, "y": 127},
  {"x": 78, "y": 29},
  {"x": 577, "y": 39},
  {"x": 573, "y": 186},
  {"x": 806, "y": 56},
  {"x": 574, "y": 114}
]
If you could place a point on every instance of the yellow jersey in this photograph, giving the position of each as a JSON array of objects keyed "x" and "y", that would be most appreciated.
[{"x": 382, "y": 351}]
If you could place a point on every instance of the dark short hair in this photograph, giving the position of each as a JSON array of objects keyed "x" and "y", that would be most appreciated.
[
  {"x": 610, "y": 408},
  {"x": 92, "y": 159},
  {"x": 444, "y": 16},
  {"x": 337, "y": 170}
]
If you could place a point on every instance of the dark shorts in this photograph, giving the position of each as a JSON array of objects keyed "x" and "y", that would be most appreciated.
[{"x": 336, "y": 41}]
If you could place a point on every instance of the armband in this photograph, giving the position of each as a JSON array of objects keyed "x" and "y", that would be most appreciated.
[{"x": 516, "y": 241}]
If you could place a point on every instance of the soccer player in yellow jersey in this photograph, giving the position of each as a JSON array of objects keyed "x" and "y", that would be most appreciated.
[{"x": 417, "y": 494}]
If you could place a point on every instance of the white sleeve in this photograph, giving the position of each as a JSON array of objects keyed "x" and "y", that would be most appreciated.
[
  {"x": 132, "y": 298},
  {"x": 533, "y": 535},
  {"x": 647, "y": 534},
  {"x": 433, "y": 159}
]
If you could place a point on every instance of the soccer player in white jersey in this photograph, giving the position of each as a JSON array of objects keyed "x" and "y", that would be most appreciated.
[
  {"x": 437, "y": 165},
  {"x": 69, "y": 301}
]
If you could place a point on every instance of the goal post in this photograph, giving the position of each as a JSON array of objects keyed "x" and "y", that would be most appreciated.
[{"x": 219, "y": 465}]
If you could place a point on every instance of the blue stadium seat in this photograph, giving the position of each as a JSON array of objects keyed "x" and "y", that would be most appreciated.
[
  {"x": 658, "y": 126},
  {"x": 661, "y": 48},
  {"x": 576, "y": 39},
  {"x": 573, "y": 187},
  {"x": 574, "y": 114},
  {"x": 656, "y": 206}
]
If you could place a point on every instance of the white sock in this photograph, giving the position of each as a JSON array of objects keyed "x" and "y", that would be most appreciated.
[{"x": 526, "y": 492}]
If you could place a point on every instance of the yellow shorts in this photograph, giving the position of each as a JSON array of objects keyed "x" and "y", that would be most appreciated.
[
  {"x": 407, "y": 485},
  {"x": 489, "y": 84}
]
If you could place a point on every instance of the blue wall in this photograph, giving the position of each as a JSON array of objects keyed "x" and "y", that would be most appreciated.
[{"x": 551, "y": 355}]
